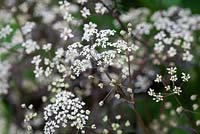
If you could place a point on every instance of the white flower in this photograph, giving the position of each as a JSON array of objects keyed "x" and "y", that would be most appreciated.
[
  {"x": 67, "y": 33},
  {"x": 117, "y": 96},
  {"x": 36, "y": 60},
  {"x": 187, "y": 56},
  {"x": 48, "y": 71},
  {"x": 171, "y": 52},
  {"x": 5, "y": 31},
  {"x": 30, "y": 46},
  {"x": 158, "y": 78},
  {"x": 93, "y": 126},
  {"x": 66, "y": 110},
  {"x": 179, "y": 109},
  {"x": 198, "y": 123},
  {"x": 185, "y": 77},
  {"x": 195, "y": 106},
  {"x": 167, "y": 88},
  {"x": 177, "y": 90},
  {"x": 142, "y": 29},
  {"x": 85, "y": 12},
  {"x": 127, "y": 123},
  {"x": 129, "y": 90},
  {"x": 186, "y": 45},
  {"x": 158, "y": 97},
  {"x": 118, "y": 117},
  {"x": 160, "y": 36},
  {"x": 27, "y": 28},
  {"x": 158, "y": 47},
  {"x": 193, "y": 97},
  {"x": 100, "y": 9},
  {"x": 105, "y": 118},
  {"x": 47, "y": 46},
  {"x": 151, "y": 92},
  {"x": 168, "y": 105},
  {"x": 38, "y": 71},
  {"x": 173, "y": 78},
  {"x": 89, "y": 30},
  {"x": 171, "y": 70}
]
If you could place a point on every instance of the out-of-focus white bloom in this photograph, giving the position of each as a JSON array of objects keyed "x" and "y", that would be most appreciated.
[
  {"x": 5, "y": 31},
  {"x": 158, "y": 47},
  {"x": 118, "y": 117},
  {"x": 117, "y": 96},
  {"x": 198, "y": 123},
  {"x": 193, "y": 97},
  {"x": 142, "y": 29},
  {"x": 195, "y": 106},
  {"x": 5, "y": 16},
  {"x": 99, "y": 8},
  {"x": 47, "y": 46},
  {"x": 67, "y": 33},
  {"x": 17, "y": 38},
  {"x": 142, "y": 83},
  {"x": 82, "y": 1},
  {"x": 135, "y": 15},
  {"x": 85, "y": 12},
  {"x": 187, "y": 56},
  {"x": 127, "y": 123},
  {"x": 179, "y": 109},
  {"x": 168, "y": 105},
  {"x": 130, "y": 90},
  {"x": 67, "y": 110},
  {"x": 171, "y": 52},
  {"x": 4, "y": 75},
  {"x": 160, "y": 36},
  {"x": 27, "y": 28},
  {"x": 30, "y": 46}
]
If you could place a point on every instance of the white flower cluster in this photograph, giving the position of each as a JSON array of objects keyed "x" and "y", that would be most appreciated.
[
  {"x": 78, "y": 57},
  {"x": 172, "y": 89},
  {"x": 175, "y": 28},
  {"x": 29, "y": 116},
  {"x": 174, "y": 34},
  {"x": 67, "y": 110}
]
